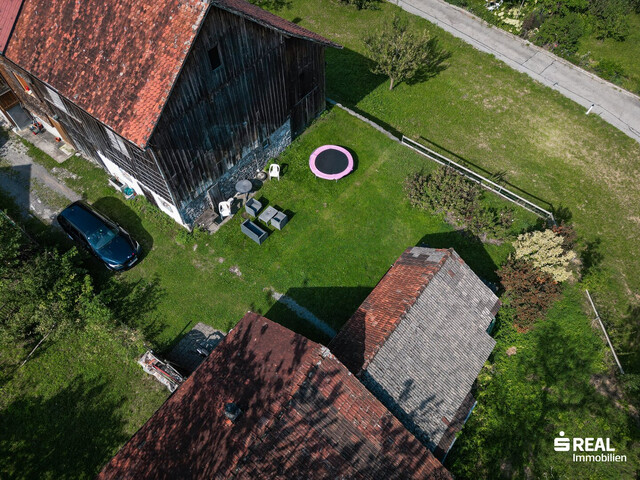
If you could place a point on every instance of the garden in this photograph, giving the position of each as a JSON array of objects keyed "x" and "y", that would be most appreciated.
[
  {"x": 601, "y": 36},
  {"x": 82, "y": 392},
  {"x": 340, "y": 240}
]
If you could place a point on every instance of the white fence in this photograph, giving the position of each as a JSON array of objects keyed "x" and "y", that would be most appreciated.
[{"x": 479, "y": 179}]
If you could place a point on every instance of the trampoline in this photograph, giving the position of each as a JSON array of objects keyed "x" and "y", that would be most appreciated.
[{"x": 331, "y": 162}]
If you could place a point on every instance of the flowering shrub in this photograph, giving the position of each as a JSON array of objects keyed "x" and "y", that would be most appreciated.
[
  {"x": 528, "y": 290},
  {"x": 545, "y": 250}
]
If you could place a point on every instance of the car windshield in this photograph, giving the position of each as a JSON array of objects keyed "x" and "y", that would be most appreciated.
[{"x": 100, "y": 237}]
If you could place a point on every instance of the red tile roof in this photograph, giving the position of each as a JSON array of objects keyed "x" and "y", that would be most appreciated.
[
  {"x": 303, "y": 416},
  {"x": 366, "y": 331},
  {"x": 258, "y": 15},
  {"x": 117, "y": 60},
  {"x": 9, "y": 10}
]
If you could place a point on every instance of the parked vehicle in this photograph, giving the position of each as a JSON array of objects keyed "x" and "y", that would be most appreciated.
[{"x": 102, "y": 237}]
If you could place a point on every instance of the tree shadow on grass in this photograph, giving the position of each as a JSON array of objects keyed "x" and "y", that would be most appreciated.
[
  {"x": 69, "y": 435},
  {"x": 332, "y": 305},
  {"x": 434, "y": 65},
  {"x": 132, "y": 302},
  {"x": 530, "y": 392},
  {"x": 349, "y": 77}
]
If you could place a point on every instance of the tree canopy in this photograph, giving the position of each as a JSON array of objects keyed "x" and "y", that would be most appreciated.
[{"x": 401, "y": 54}]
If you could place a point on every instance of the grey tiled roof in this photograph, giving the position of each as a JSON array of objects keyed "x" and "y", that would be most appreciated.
[{"x": 428, "y": 363}]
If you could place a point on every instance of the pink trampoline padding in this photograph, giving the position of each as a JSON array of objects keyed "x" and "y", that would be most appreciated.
[{"x": 327, "y": 176}]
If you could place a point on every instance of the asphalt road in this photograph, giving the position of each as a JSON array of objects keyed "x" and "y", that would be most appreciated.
[{"x": 616, "y": 106}]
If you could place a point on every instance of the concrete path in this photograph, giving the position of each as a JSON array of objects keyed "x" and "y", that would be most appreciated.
[
  {"x": 616, "y": 106},
  {"x": 31, "y": 186}
]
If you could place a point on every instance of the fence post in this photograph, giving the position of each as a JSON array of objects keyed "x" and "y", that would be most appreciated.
[{"x": 605, "y": 332}]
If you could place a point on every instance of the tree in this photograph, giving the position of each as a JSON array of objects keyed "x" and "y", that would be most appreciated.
[
  {"x": 561, "y": 33},
  {"x": 528, "y": 290},
  {"x": 401, "y": 55},
  {"x": 610, "y": 18},
  {"x": 361, "y": 4},
  {"x": 43, "y": 292}
]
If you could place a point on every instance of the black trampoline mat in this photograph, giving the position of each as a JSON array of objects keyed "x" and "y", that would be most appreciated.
[{"x": 331, "y": 162}]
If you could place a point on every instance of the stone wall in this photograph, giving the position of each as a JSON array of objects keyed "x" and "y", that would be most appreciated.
[{"x": 246, "y": 169}]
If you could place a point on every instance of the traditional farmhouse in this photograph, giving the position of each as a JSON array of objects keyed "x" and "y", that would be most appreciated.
[
  {"x": 269, "y": 403},
  {"x": 176, "y": 98},
  {"x": 419, "y": 341}
]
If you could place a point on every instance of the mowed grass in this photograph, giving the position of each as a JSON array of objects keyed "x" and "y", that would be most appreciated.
[
  {"x": 341, "y": 239},
  {"x": 496, "y": 120},
  {"x": 82, "y": 396}
]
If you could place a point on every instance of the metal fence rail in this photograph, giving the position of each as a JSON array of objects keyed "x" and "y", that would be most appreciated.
[{"x": 479, "y": 179}]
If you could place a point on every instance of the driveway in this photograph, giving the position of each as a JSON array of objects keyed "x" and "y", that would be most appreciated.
[
  {"x": 616, "y": 106},
  {"x": 33, "y": 189}
]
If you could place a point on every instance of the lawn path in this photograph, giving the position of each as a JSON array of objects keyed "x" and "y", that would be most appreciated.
[{"x": 614, "y": 105}]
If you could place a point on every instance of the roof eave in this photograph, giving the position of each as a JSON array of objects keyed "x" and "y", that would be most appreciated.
[{"x": 324, "y": 42}]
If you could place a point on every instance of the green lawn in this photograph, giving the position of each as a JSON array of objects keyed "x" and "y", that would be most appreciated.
[
  {"x": 70, "y": 408},
  {"x": 494, "y": 119},
  {"x": 83, "y": 395},
  {"x": 546, "y": 386},
  {"x": 342, "y": 238}
]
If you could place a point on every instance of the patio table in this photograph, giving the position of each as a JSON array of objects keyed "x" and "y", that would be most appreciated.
[
  {"x": 267, "y": 215},
  {"x": 243, "y": 187}
]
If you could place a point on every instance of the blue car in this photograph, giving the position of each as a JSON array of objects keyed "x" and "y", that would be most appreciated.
[{"x": 102, "y": 237}]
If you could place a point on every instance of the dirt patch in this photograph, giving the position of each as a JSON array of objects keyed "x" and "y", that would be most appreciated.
[
  {"x": 511, "y": 351},
  {"x": 236, "y": 271}
]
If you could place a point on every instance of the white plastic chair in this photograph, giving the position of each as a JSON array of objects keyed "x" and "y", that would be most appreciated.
[
  {"x": 274, "y": 171},
  {"x": 224, "y": 208}
]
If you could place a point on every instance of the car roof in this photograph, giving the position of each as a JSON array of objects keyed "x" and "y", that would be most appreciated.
[{"x": 83, "y": 217}]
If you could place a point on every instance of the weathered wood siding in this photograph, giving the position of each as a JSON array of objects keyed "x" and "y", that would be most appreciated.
[
  {"x": 266, "y": 90},
  {"x": 88, "y": 134}
]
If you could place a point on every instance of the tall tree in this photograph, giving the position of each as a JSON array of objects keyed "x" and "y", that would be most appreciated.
[{"x": 402, "y": 55}]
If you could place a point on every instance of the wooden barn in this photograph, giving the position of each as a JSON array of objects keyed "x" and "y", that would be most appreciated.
[{"x": 177, "y": 98}]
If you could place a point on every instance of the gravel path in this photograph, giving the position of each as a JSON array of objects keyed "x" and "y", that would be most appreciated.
[{"x": 31, "y": 186}]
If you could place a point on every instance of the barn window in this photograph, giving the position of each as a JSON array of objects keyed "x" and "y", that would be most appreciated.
[
  {"x": 214, "y": 57},
  {"x": 56, "y": 100},
  {"x": 117, "y": 142},
  {"x": 23, "y": 82}
]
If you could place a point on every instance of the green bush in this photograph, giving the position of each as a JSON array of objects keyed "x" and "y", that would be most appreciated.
[
  {"x": 532, "y": 21},
  {"x": 361, "y": 4},
  {"x": 446, "y": 191},
  {"x": 610, "y": 70},
  {"x": 561, "y": 33},
  {"x": 609, "y": 18}
]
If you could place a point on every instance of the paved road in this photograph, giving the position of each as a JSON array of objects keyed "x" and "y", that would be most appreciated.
[{"x": 618, "y": 107}]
